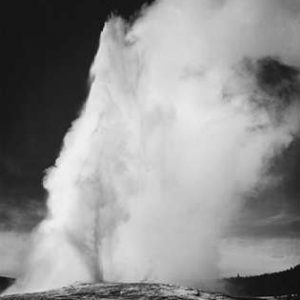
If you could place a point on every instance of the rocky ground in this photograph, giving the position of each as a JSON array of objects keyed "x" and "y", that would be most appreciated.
[{"x": 128, "y": 291}]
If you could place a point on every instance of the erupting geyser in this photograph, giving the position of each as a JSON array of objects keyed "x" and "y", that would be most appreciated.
[{"x": 180, "y": 124}]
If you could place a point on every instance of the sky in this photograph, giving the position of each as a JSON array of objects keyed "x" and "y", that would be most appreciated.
[{"x": 47, "y": 49}]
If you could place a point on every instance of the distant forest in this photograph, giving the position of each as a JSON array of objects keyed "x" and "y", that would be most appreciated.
[
  {"x": 273, "y": 284},
  {"x": 5, "y": 282}
]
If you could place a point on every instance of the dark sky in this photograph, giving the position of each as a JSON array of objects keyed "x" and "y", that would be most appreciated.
[{"x": 47, "y": 47}]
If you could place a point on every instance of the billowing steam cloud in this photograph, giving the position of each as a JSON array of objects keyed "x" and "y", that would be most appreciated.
[{"x": 186, "y": 109}]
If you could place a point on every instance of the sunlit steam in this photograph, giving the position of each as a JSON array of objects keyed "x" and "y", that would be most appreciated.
[{"x": 180, "y": 125}]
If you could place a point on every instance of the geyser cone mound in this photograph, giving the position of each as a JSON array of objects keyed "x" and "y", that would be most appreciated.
[{"x": 119, "y": 291}]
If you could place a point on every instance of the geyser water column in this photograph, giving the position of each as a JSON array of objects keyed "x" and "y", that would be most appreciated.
[
  {"x": 176, "y": 130},
  {"x": 94, "y": 176}
]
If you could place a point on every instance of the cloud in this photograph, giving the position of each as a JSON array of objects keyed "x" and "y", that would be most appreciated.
[
  {"x": 278, "y": 226},
  {"x": 13, "y": 248},
  {"x": 20, "y": 214},
  {"x": 246, "y": 256}
]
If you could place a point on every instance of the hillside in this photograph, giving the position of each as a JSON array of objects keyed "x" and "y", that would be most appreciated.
[
  {"x": 120, "y": 291},
  {"x": 280, "y": 283},
  {"x": 285, "y": 284}
]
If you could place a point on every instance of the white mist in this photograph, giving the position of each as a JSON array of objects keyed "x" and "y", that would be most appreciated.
[{"x": 159, "y": 160}]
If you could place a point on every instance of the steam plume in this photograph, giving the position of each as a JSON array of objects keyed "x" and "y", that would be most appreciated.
[{"x": 179, "y": 126}]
